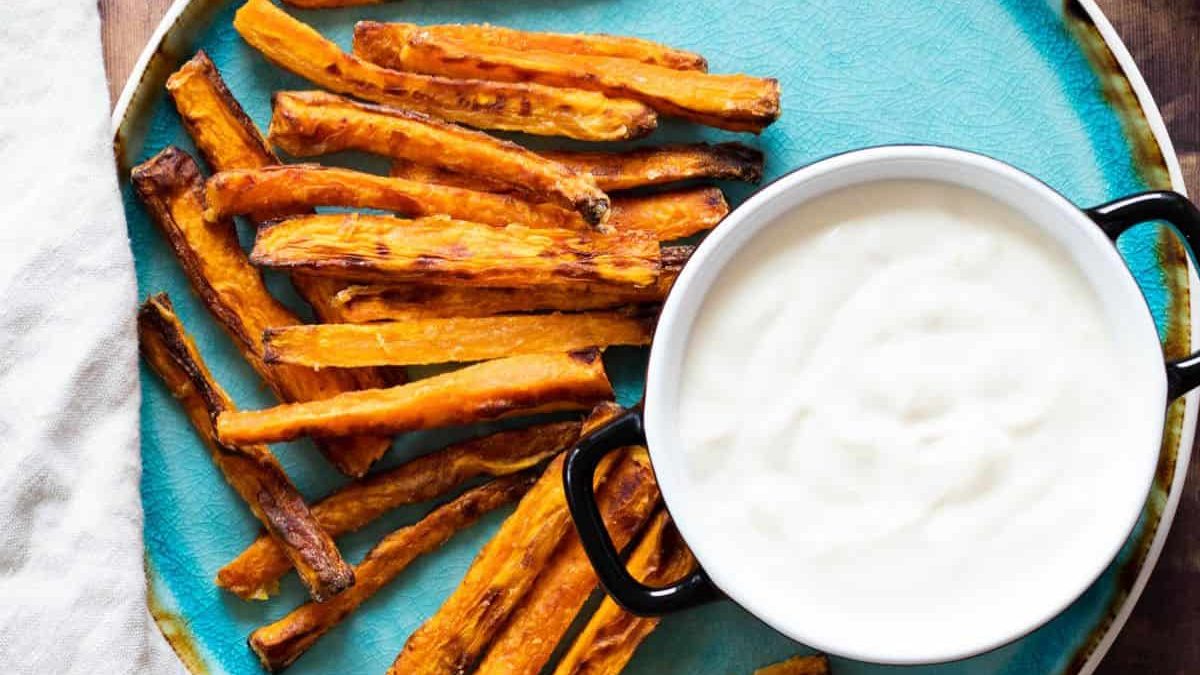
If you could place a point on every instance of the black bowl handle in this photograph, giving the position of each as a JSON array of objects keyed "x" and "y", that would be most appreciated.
[
  {"x": 1115, "y": 217},
  {"x": 579, "y": 472}
]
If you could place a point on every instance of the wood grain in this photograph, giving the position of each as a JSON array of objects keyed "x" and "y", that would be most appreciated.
[{"x": 1163, "y": 635}]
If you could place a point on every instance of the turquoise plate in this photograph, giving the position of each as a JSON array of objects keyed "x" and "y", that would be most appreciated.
[{"x": 1047, "y": 88}]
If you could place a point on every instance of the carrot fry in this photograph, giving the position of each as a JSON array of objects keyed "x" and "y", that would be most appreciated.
[
  {"x": 316, "y": 123},
  {"x": 612, "y": 635},
  {"x": 797, "y": 665},
  {"x": 528, "y": 107},
  {"x": 454, "y": 637},
  {"x": 453, "y": 252},
  {"x": 485, "y": 391},
  {"x": 251, "y": 470},
  {"x": 364, "y": 304},
  {"x": 255, "y": 573},
  {"x": 171, "y": 188},
  {"x": 299, "y": 187},
  {"x": 452, "y": 340},
  {"x": 734, "y": 102},
  {"x": 282, "y": 642},
  {"x": 548, "y": 609},
  {"x": 229, "y": 140}
]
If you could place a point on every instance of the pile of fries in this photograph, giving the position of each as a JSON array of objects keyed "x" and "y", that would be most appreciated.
[{"x": 524, "y": 265}]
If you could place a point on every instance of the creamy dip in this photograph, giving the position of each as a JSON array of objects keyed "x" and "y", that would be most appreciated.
[{"x": 902, "y": 408}]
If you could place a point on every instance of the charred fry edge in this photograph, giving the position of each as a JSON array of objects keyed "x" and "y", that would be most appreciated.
[
  {"x": 454, "y": 637},
  {"x": 282, "y": 642},
  {"x": 298, "y": 115},
  {"x": 252, "y": 471},
  {"x": 666, "y": 164},
  {"x": 544, "y": 615},
  {"x": 451, "y": 340},
  {"x": 612, "y": 634},
  {"x": 485, "y": 391},
  {"x": 254, "y": 574}
]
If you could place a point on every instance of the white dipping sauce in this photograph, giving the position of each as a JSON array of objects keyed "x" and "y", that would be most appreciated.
[{"x": 901, "y": 410}]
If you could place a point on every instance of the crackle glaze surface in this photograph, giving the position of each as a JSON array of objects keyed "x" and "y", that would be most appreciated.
[{"x": 1010, "y": 79}]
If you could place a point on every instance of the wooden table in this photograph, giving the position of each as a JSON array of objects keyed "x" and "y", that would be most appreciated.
[{"x": 1163, "y": 635}]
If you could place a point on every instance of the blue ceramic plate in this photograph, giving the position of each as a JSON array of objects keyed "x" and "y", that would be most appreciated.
[{"x": 1048, "y": 89}]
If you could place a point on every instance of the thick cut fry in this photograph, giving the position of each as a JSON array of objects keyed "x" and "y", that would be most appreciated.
[
  {"x": 300, "y": 187},
  {"x": 528, "y": 107},
  {"x": 282, "y": 642},
  {"x": 485, "y": 391},
  {"x": 441, "y": 251},
  {"x": 452, "y": 340},
  {"x": 453, "y": 638},
  {"x": 594, "y": 44},
  {"x": 255, "y": 573},
  {"x": 225, "y": 136},
  {"x": 797, "y": 665},
  {"x": 656, "y": 165},
  {"x": 734, "y": 102},
  {"x": 611, "y": 636},
  {"x": 252, "y": 470},
  {"x": 315, "y": 123},
  {"x": 548, "y": 609},
  {"x": 365, "y": 304},
  {"x": 640, "y": 167},
  {"x": 229, "y": 140},
  {"x": 172, "y": 190}
]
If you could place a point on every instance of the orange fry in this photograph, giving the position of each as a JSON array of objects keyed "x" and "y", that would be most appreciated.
[
  {"x": 485, "y": 391},
  {"x": 734, "y": 102},
  {"x": 528, "y": 107}
]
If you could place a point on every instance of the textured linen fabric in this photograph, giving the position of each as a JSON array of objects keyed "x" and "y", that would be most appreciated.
[{"x": 72, "y": 584}]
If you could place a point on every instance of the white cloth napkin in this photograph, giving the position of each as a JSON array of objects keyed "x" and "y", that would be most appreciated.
[{"x": 72, "y": 585}]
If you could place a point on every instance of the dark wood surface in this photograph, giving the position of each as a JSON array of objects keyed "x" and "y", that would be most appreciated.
[{"x": 1163, "y": 635}]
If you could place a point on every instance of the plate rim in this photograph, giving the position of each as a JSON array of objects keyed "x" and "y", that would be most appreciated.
[{"x": 1151, "y": 113}]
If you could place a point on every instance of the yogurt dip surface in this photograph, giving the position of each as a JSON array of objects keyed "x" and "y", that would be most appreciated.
[{"x": 903, "y": 411}]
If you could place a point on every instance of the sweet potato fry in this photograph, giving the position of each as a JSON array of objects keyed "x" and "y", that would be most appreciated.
[
  {"x": 255, "y": 573},
  {"x": 655, "y": 165},
  {"x": 225, "y": 136},
  {"x": 172, "y": 190},
  {"x": 453, "y": 638},
  {"x": 528, "y": 107},
  {"x": 797, "y": 665},
  {"x": 282, "y": 642},
  {"x": 251, "y": 470},
  {"x": 315, "y": 123},
  {"x": 734, "y": 102},
  {"x": 548, "y": 609},
  {"x": 300, "y": 187},
  {"x": 611, "y": 636},
  {"x": 485, "y": 391},
  {"x": 441, "y": 251},
  {"x": 612, "y": 171},
  {"x": 330, "y": 4},
  {"x": 581, "y": 44},
  {"x": 452, "y": 340},
  {"x": 364, "y": 304}
]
